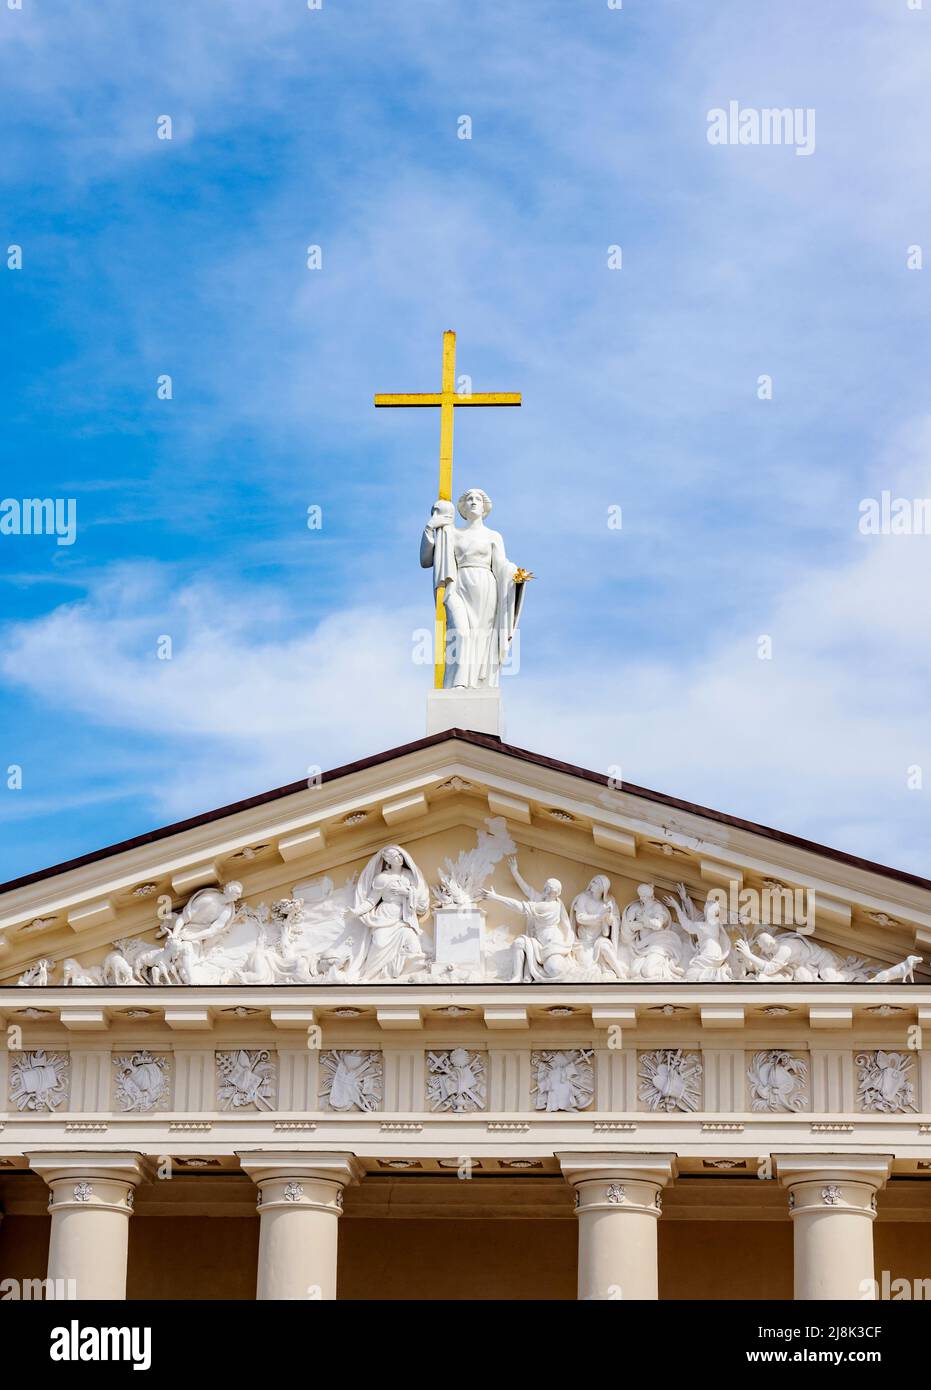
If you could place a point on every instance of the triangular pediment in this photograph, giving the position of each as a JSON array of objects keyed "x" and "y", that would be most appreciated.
[{"x": 161, "y": 910}]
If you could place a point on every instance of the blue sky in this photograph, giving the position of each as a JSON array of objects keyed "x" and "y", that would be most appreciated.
[{"x": 338, "y": 127}]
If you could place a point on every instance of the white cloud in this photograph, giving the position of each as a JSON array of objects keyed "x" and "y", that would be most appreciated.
[{"x": 816, "y": 741}]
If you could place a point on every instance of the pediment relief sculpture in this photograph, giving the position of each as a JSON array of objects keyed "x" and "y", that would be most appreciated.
[{"x": 388, "y": 924}]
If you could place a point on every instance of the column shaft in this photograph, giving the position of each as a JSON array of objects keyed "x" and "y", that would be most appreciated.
[
  {"x": 300, "y": 1202},
  {"x": 832, "y": 1201},
  {"x": 618, "y": 1204},
  {"x": 91, "y": 1202}
]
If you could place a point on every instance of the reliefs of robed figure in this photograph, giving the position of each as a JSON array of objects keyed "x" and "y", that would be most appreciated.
[{"x": 378, "y": 926}]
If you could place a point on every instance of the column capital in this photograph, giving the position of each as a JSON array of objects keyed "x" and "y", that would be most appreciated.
[
  {"x": 292, "y": 1181},
  {"x": 267, "y": 1165},
  {"x": 91, "y": 1181},
  {"x": 657, "y": 1168},
  {"x": 618, "y": 1182},
  {"x": 833, "y": 1182},
  {"x": 873, "y": 1169}
]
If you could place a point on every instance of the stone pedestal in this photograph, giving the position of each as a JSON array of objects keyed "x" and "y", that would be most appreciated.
[
  {"x": 832, "y": 1201},
  {"x": 457, "y": 934},
  {"x": 91, "y": 1203},
  {"x": 618, "y": 1203},
  {"x": 300, "y": 1203},
  {"x": 477, "y": 710}
]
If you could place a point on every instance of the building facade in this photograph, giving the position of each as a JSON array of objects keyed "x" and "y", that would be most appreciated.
[{"x": 464, "y": 1022}]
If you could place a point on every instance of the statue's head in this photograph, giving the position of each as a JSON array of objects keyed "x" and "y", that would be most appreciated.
[
  {"x": 473, "y": 504},
  {"x": 392, "y": 857},
  {"x": 713, "y": 910},
  {"x": 552, "y": 888},
  {"x": 599, "y": 886},
  {"x": 645, "y": 892},
  {"x": 766, "y": 943}
]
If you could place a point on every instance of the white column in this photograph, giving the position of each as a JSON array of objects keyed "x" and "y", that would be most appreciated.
[
  {"x": 300, "y": 1202},
  {"x": 832, "y": 1201},
  {"x": 91, "y": 1202},
  {"x": 618, "y": 1200}
]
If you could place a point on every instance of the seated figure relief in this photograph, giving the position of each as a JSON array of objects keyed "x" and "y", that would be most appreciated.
[{"x": 377, "y": 927}]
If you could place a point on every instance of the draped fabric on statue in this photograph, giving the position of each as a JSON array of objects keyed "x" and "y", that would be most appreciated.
[
  {"x": 388, "y": 902},
  {"x": 482, "y": 602}
]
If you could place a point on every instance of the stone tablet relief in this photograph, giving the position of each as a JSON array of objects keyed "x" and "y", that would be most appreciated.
[{"x": 389, "y": 923}]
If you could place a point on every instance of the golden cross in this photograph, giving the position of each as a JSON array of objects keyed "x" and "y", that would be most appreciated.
[{"x": 447, "y": 398}]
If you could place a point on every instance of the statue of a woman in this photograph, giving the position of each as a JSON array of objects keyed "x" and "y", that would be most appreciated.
[
  {"x": 596, "y": 920},
  {"x": 482, "y": 590},
  {"x": 390, "y": 897}
]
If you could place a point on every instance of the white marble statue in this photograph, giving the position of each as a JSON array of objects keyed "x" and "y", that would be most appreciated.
[
  {"x": 903, "y": 971},
  {"x": 649, "y": 946},
  {"x": 594, "y": 915},
  {"x": 544, "y": 951},
  {"x": 370, "y": 928},
  {"x": 391, "y": 897},
  {"x": 708, "y": 962},
  {"x": 482, "y": 590},
  {"x": 791, "y": 956},
  {"x": 36, "y": 975}
]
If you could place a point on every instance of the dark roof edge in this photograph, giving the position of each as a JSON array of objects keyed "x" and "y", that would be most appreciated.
[{"x": 481, "y": 741}]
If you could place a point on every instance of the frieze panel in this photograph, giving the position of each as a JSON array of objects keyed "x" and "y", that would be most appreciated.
[
  {"x": 464, "y": 1080},
  {"x": 39, "y": 1080},
  {"x": 778, "y": 1081},
  {"x": 388, "y": 925},
  {"x": 142, "y": 1082}
]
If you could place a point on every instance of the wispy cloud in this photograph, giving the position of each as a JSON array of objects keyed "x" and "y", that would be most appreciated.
[{"x": 339, "y": 127}]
